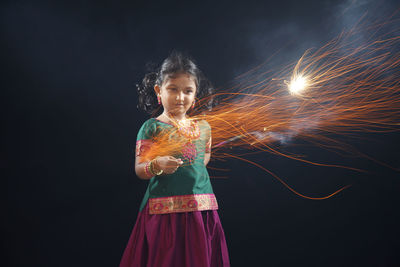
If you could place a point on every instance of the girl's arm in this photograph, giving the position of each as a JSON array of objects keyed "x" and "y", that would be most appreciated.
[
  {"x": 167, "y": 164},
  {"x": 207, "y": 154},
  {"x": 207, "y": 157},
  {"x": 139, "y": 168}
]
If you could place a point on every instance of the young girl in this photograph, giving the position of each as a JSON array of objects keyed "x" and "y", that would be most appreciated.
[{"x": 178, "y": 224}]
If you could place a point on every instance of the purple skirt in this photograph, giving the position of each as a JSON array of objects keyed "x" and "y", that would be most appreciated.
[{"x": 194, "y": 239}]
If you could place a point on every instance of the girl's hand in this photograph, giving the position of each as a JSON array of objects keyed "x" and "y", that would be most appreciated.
[{"x": 168, "y": 164}]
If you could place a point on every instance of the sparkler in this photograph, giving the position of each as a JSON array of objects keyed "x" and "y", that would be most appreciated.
[
  {"x": 297, "y": 85},
  {"x": 343, "y": 88}
]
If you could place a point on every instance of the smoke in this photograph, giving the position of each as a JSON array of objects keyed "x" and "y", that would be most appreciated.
[{"x": 297, "y": 126}]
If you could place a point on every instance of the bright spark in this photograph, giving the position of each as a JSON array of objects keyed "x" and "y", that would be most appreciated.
[{"x": 297, "y": 85}]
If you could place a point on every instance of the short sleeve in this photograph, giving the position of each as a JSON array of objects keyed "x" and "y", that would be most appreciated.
[
  {"x": 145, "y": 136},
  {"x": 147, "y": 131}
]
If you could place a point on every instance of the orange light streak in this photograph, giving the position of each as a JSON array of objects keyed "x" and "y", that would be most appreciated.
[{"x": 352, "y": 86}]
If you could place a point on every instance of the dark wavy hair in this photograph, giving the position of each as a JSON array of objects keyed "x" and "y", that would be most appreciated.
[{"x": 175, "y": 63}]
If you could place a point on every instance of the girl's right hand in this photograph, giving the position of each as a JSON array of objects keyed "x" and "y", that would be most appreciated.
[{"x": 168, "y": 164}]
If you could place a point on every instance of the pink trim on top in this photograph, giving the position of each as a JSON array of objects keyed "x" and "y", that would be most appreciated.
[{"x": 142, "y": 145}]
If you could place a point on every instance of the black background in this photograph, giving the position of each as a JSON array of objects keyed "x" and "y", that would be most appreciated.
[{"x": 70, "y": 122}]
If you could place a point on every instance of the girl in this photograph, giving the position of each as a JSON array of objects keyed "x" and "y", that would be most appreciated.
[{"x": 178, "y": 224}]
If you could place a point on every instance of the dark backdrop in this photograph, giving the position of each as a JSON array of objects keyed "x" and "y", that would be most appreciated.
[{"x": 70, "y": 120}]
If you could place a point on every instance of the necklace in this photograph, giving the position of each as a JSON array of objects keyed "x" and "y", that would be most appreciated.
[{"x": 189, "y": 130}]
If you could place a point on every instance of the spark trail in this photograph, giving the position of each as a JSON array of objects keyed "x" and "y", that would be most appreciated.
[{"x": 346, "y": 87}]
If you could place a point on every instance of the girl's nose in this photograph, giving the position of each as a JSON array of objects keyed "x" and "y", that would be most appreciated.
[{"x": 179, "y": 96}]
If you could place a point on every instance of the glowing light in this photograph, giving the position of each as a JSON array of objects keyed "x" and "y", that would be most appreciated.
[{"x": 298, "y": 85}]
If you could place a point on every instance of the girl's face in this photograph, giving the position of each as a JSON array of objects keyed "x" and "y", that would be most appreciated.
[{"x": 177, "y": 94}]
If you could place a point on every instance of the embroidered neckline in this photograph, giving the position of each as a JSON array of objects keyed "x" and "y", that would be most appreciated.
[{"x": 191, "y": 131}]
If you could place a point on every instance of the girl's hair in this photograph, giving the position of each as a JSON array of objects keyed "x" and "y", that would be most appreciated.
[{"x": 175, "y": 63}]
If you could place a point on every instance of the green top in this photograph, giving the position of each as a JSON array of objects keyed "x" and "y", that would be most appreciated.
[{"x": 190, "y": 179}]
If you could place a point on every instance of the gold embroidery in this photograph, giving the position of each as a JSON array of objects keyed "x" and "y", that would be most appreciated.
[{"x": 184, "y": 203}]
